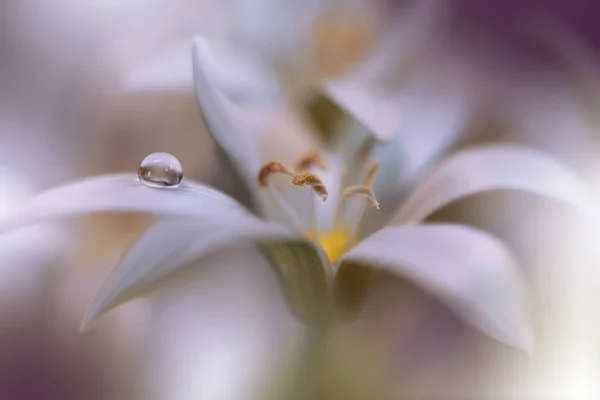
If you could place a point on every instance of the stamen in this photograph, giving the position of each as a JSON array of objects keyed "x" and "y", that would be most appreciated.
[
  {"x": 365, "y": 191},
  {"x": 273, "y": 167},
  {"x": 365, "y": 149},
  {"x": 308, "y": 178},
  {"x": 312, "y": 159},
  {"x": 353, "y": 219},
  {"x": 370, "y": 173},
  {"x": 339, "y": 207}
]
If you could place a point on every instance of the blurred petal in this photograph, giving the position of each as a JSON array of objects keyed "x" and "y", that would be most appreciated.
[
  {"x": 493, "y": 167},
  {"x": 403, "y": 48},
  {"x": 162, "y": 257},
  {"x": 371, "y": 93},
  {"x": 278, "y": 31},
  {"x": 253, "y": 134},
  {"x": 378, "y": 111},
  {"x": 224, "y": 119},
  {"x": 123, "y": 192},
  {"x": 439, "y": 117},
  {"x": 203, "y": 353},
  {"x": 440, "y": 120},
  {"x": 171, "y": 69},
  {"x": 469, "y": 270}
]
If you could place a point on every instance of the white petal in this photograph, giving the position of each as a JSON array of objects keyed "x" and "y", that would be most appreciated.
[
  {"x": 122, "y": 192},
  {"x": 366, "y": 93},
  {"x": 379, "y": 112},
  {"x": 405, "y": 46},
  {"x": 162, "y": 257},
  {"x": 469, "y": 270},
  {"x": 223, "y": 118},
  {"x": 493, "y": 167},
  {"x": 440, "y": 120},
  {"x": 439, "y": 117},
  {"x": 241, "y": 130},
  {"x": 253, "y": 134}
]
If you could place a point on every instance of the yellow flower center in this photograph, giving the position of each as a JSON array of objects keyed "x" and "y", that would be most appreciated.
[
  {"x": 344, "y": 225},
  {"x": 334, "y": 242}
]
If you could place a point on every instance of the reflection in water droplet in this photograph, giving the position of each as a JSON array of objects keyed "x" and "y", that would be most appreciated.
[{"x": 160, "y": 170}]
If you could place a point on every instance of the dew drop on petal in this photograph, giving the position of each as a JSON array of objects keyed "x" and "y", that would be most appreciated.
[{"x": 160, "y": 170}]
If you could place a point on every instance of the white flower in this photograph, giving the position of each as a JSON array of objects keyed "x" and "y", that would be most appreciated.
[{"x": 311, "y": 204}]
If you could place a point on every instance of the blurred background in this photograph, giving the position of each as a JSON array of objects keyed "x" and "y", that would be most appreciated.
[{"x": 529, "y": 69}]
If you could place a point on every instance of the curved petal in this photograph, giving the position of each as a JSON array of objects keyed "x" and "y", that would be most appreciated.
[
  {"x": 249, "y": 135},
  {"x": 440, "y": 120},
  {"x": 376, "y": 110},
  {"x": 469, "y": 270},
  {"x": 493, "y": 167},
  {"x": 163, "y": 255},
  {"x": 123, "y": 192}
]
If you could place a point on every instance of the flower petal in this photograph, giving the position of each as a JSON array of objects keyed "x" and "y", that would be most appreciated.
[
  {"x": 493, "y": 167},
  {"x": 366, "y": 93},
  {"x": 122, "y": 192},
  {"x": 378, "y": 111},
  {"x": 164, "y": 254},
  {"x": 249, "y": 135},
  {"x": 440, "y": 119},
  {"x": 467, "y": 269}
]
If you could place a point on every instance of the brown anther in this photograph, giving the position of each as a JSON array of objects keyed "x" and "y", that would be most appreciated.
[
  {"x": 308, "y": 178},
  {"x": 365, "y": 191},
  {"x": 309, "y": 160},
  {"x": 370, "y": 173},
  {"x": 269, "y": 168}
]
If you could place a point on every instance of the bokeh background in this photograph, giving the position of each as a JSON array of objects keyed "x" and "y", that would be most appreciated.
[{"x": 527, "y": 68}]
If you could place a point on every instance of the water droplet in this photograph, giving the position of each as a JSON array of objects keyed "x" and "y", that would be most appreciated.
[{"x": 160, "y": 170}]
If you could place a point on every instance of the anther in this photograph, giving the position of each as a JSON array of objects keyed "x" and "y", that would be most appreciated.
[
  {"x": 365, "y": 191},
  {"x": 309, "y": 160},
  {"x": 269, "y": 168},
  {"x": 308, "y": 178}
]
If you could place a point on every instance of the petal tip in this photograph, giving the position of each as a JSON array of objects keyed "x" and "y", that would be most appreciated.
[
  {"x": 87, "y": 323},
  {"x": 526, "y": 343},
  {"x": 95, "y": 311}
]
